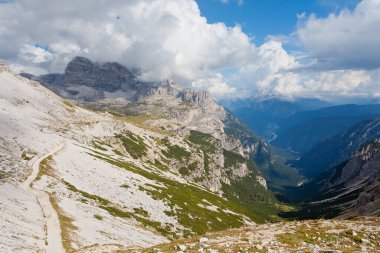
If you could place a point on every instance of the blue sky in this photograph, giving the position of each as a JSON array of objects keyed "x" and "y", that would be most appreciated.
[{"x": 260, "y": 18}]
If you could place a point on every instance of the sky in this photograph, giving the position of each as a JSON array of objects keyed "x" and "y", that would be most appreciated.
[
  {"x": 327, "y": 49},
  {"x": 262, "y": 18}
]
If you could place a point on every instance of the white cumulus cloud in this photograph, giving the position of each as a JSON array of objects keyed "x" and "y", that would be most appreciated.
[
  {"x": 215, "y": 85},
  {"x": 269, "y": 61},
  {"x": 348, "y": 39},
  {"x": 162, "y": 38},
  {"x": 35, "y": 54}
]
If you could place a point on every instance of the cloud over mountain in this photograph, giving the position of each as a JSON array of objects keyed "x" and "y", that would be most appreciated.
[
  {"x": 171, "y": 39},
  {"x": 163, "y": 38}
]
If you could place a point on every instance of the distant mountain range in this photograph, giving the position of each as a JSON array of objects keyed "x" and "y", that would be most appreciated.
[
  {"x": 299, "y": 124},
  {"x": 266, "y": 115},
  {"x": 302, "y": 130}
]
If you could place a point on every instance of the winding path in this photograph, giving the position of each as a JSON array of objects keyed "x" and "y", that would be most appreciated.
[{"x": 54, "y": 238}]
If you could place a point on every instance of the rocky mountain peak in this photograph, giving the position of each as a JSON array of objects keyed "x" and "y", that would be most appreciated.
[
  {"x": 78, "y": 65},
  {"x": 85, "y": 80},
  {"x": 170, "y": 84},
  {"x": 79, "y": 71},
  {"x": 166, "y": 88},
  {"x": 79, "y": 62},
  {"x": 109, "y": 77}
]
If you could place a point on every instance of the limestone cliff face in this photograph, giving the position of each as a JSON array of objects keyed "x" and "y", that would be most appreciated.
[
  {"x": 199, "y": 98},
  {"x": 164, "y": 89}
]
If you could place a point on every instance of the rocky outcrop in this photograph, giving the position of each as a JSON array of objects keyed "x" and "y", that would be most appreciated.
[
  {"x": 200, "y": 98},
  {"x": 262, "y": 181},
  {"x": 166, "y": 88}
]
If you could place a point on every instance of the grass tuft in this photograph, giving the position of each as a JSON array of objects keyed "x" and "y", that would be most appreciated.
[{"x": 134, "y": 144}]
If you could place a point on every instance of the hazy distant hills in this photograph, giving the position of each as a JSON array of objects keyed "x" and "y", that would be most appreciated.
[
  {"x": 302, "y": 130},
  {"x": 266, "y": 115},
  {"x": 338, "y": 152},
  {"x": 323, "y": 137},
  {"x": 338, "y": 148},
  {"x": 300, "y": 124}
]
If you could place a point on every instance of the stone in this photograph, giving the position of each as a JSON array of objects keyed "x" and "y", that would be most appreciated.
[
  {"x": 203, "y": 239},
  {"x": 182, "y": 247}
]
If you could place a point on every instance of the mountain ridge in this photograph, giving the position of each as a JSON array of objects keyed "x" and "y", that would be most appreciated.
[
  {"x": 347, "y": 190},
  {"x": 125, "y": 183},
  {"x": 338, "y": 148},
  {"x": 265, "y": 115},
  {"x": 121, "y": 181},
  {"x": 111, "y": 80},
  {"x": 181, "y": 110},
  {"x": 304, "y": 129},
  {"x": 111, "y": 184}
]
